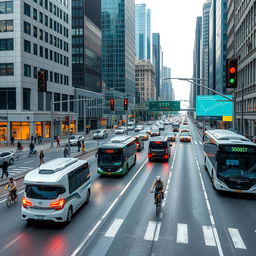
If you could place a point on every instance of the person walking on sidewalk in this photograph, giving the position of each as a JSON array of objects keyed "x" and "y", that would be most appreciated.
[
  {"x": 65, "y": 151},
  {"x": 78, "y": 145},
  {"x": 5, "y": 169},
  {"x": 83, "y": 148},
  {"x": 41, "y": 157},
  {"x": 19, "y": 146},
  {"x": 12, "y": 141},
  {"x": 32, "y": 149},
  {"x": 58, "y": 141},
  {"x": 35, "y": 139},
  {"x": 32, "y": 138}
]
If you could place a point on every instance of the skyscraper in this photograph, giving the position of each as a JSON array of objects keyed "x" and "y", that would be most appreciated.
[
  {"x": 157, "y": 55},
  {"x": 204, "y": 51},
  {"x": 118, "y": 46},
  {"x": 142, "y": 31},
  {"x": 167, "y": 84}
]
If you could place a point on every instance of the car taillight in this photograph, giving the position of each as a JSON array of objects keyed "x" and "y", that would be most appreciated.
[
  {"x": 58, "y": 205},
  {"x": 149, "y": 155},
  {"x": 26, "y": 203},
  {"x": 137, "y": 143},
  {"x": 166, "y": 156}
]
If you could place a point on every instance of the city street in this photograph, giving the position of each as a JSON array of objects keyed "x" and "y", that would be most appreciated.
[{"x": 121, "y": 217}]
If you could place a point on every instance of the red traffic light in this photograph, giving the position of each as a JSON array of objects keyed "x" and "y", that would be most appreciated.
[
  {"x": 232, "y": 70},
  {"x": 112, "y": 104},
  {"x": 125, "y": 103}
]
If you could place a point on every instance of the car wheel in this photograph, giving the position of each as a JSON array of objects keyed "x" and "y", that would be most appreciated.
[
  {"x": 88, "y": 196},
  {"x": 69, "y": 215},
  {"x": 11, "y": 161}
]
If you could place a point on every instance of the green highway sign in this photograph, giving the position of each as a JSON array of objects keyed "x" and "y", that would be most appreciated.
[{"x": 164, "y": 105}]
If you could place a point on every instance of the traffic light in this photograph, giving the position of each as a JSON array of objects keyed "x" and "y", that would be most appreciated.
[
  {"x": 67, "y": 120},
  {"x": 231, "y": 81},
  {"x": 41, "y": 81},
  {"x": 112, "y": 104},
  {"x": 125, "y": 103}
]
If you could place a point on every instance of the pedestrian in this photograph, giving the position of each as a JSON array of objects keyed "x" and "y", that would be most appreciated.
[
  {"x": 35, "y": 139},
  {"x": 5, "y": 169},
  {"x": 65, "y": 151},
  {"x": 39, "y": 139},
  {"x": 78, "y": 145},
  {"x": 83, "y": 148},
  {"x": 41, "y": 157},
  {"x": 58, "y": 141},
  {"x": 31, "y": 149},
  {"x": 12, "y": 141},
  {"x": 19, "y": 146},
  {"x": 32, "y": 138}
]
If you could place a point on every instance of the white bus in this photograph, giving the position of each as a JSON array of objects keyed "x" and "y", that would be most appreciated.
[
  {"x": 230, "y": 160},
  {"x": 55, "y": 190}
]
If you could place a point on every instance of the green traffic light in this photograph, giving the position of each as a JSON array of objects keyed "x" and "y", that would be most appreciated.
[{"x": 232, "y": 80}]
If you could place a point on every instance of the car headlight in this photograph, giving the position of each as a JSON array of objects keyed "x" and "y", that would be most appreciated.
[{"x": 120, "y": 170}]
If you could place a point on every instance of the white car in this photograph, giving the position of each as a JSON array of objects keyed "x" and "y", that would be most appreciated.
[
  {"x": 120, "y": 130},
  {"x": 75, "y": 138},
  {"x": 8, "y": 156},
  {"x": 139, "y": 128},
  {"x": 100, "y": 134}
]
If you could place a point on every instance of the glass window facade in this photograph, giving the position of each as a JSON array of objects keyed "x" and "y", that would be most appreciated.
[
  {"x": 6, "y": 44},
  {"x": 8, "y": 98},
  {"x": 20, "y": 130}
]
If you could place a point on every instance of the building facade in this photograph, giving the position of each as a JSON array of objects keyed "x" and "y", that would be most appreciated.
[
  {"x": 35, "y": 35},
  {"x": 145, "y": 80},
  {"x": 118, "y": 46},
  {"x": 87, "y": 60},
  {"x": 156, "y": 55},
  {"x": 142, "y": 32},
  {"x": 245, "y": 51},
  {"x": 221, "y": 45},
  {"x": 167, "y": 90},
  {"x": 195, "y": 90},
  {"x": 204, "y": 52}
]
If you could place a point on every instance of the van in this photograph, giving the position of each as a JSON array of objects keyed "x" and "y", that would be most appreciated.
[
  {"x": 159, "y": 148},
  {"x": 56, "y": 190}
]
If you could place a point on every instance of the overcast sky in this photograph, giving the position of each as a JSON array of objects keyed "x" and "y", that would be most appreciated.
[{"x": 175, "y": 21}]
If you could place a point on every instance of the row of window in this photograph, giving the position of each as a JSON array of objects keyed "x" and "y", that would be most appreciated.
[
  {"x": 6, "y": 7},
  {"x": 45, "y": 53},
  {"x": 48, "y": 5},
  {"x": 50, "y": 75},
  {"x": 6, "y": 26},
  {"x": 49, "y": 22},
  {"x": 46, "y": 37}
]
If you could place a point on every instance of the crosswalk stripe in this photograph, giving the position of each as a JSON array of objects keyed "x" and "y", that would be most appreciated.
[
  {"x": 114, "y": 228},
  {"x": 182, "y": 233},
  {"x": 196, "y": 142},
  {"x": 209, "y": 236},
  {"x": 17, "y": 169},
  {"x": 24, "y": 167},
  {"x": 236, "y": 238},
  {"x": 153, "y": 230},
  {"x": 200, "y": 142}
]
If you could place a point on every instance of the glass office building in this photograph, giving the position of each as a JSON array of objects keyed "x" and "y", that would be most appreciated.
[
  {"x": 118, "y": 46},
  {"x": 157, "y": 62},
  {"x": 143, "y": 32}
]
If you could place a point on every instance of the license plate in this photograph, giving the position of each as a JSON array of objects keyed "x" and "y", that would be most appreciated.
[
  {"x": 40, "y": 217},
  {"x": 153, "y": 154},
  {"x": 238, "y": 191},
  {"x": 109, "y": 173}
]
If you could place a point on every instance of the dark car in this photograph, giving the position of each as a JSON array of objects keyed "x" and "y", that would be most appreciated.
[
  {"x": 139, "y": 143},
  {"x": 159, "y": 149}
]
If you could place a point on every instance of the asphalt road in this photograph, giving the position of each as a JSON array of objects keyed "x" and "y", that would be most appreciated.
[{"x": 121, "y": 219}]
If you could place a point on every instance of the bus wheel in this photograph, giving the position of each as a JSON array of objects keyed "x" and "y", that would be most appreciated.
[
  {"x": 205, "y": 167},
  {"x": 135, "y": 159},
  {"x": 88, "y": 196}
]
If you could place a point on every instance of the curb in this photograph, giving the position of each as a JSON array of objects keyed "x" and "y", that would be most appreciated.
[{"x": 22, "y": 175}]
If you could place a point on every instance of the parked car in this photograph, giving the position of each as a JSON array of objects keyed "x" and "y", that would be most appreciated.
[
  {"x": 8, "y": 156},
  {"x": 155, "y": 132},
  {"x": 74, "y": 139},
  {"x": 138, "y": 128},
  {"x": 139, "y": 143},
  {"x": 100, "y": 134},
  {"x": 120, "y": 130}
]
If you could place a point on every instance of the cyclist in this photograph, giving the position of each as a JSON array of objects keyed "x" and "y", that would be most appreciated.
[
  {"x": 12, "y": 188},
  {"x": 158, "y": 186}
]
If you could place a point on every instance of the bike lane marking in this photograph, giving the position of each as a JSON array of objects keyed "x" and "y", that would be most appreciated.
[
  {"x": 114, "y": 228},
  {"x": 182, "y": 233}
]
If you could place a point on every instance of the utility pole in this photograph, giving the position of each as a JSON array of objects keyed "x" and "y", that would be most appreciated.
[
  {"x": 52, "y": 121},
  {"x": 69, "y": 126}
]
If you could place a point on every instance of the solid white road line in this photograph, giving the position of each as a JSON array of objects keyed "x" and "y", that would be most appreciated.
[
  {"x": 236, "y": 238},
  {"x": 11, "y": 243},
  {"x": 182, "y": 233},
  {"x": 209, "y": 236},
  {"x": 153, "y": 230},
  {"x": 114, "y": 228}
]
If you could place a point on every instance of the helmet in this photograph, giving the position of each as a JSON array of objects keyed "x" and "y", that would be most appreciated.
[{"x": 158, "y": 178}]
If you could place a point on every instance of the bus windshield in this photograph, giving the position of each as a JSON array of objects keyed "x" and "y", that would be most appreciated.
[
  {"x": 237, "y": 165},
  {"x": 110, "y": 160},
  {"x": 158, "y": 145}
]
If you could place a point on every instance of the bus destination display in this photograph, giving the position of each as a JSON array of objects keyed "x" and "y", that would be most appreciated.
[{"x": 240, "y": 149}]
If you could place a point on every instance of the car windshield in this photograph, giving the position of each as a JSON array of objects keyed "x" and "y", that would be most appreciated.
[
  {"x": 237, "y": 165},
  {"x": 109, "y": 160},
  {"x": 73, "y": 137},
  {"x": 158, "y": 144},
  {"x": 185, "y": 134},
  {"x": 43, "y": 192},
  {"x": 99, "y": 131}
]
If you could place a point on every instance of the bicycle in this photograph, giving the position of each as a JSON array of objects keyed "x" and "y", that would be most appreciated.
[
  {"x": 158, "y": 201},
  {"x": 10, "y": 201}
]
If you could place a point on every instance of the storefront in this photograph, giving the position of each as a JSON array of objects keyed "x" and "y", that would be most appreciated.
[
  {"x": 20, "y": 130},
  {"x": 39, "y": 129},
  {"x": 47, "y": 130},
  {"x": 3, "y": 131},
  {"x": 64, "y": 128}
]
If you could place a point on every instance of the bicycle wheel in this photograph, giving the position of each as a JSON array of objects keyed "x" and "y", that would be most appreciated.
[{"x": 8, "y": 202}]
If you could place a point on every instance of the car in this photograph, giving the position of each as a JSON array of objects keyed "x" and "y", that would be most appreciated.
[
  {"x": 184, "y": 128},
  {"x": 138, "y": 128},
  {"x": 171, "y": 136},
  {"x": 185, "y": 123},
  {"x": 155, "y": 132},
  {"x": 143, "y": 135},
  {"x": 175, "y": 127},
  {"x": 148, "y": 129},
  {"x": 131, "y": 128},
  {"x": 185, "y": 137},
  {"x": 100, "y": 134},
  {"x": 8, "y": 156},
  {"x": 73, "y": 139},
  {"x": 120, "y": 130},
  {"x": 159, "y": 148},
  {"x": 139, "y": 143}
]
